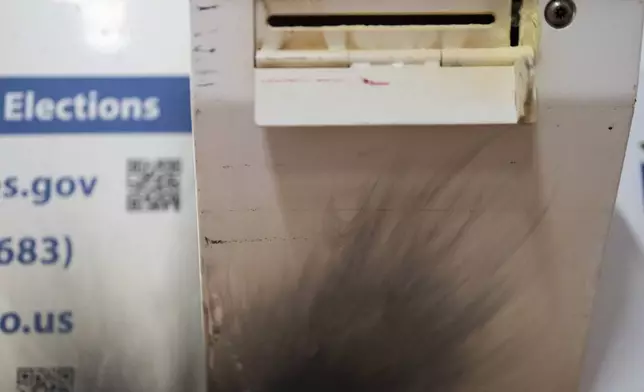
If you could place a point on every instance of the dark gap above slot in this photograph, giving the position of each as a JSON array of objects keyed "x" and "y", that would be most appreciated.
[
  {"x": 515, "y": 22},
  {"x": 379, "y": 20}
]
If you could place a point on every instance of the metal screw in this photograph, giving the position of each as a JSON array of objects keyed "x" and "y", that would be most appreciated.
[{"x": 560, "y": 13}]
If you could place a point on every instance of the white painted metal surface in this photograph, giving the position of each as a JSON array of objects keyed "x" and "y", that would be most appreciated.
[{"x": 616, "y": 349}]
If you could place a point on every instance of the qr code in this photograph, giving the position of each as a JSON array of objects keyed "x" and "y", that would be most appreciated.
[
  {"x": 45, "y": 379},
  {"x": 153, "y": 185}
]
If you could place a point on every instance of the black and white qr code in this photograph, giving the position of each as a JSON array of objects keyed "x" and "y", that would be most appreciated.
[
  {"x": 45, "y": 379},
  {"x": 153, "y": 185}
]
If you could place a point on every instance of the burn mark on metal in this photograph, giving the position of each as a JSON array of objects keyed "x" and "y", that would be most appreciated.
[
  {"x": 207, "y": 7},
  {"x": 201, "y": 49},
  {"x": 382, "y": 302},
  {"x": 213, "y": 242}
]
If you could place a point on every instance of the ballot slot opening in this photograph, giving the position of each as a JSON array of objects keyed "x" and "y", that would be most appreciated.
[
  {"x": 337, "y": 20},
  {"x": 307, "y": 56}
]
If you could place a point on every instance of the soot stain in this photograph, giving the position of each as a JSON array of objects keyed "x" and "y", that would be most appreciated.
[
  {"x": 206, "y": 7},
  {"x": 201, "y": 49},
  {"x": 378, "y": 307}
]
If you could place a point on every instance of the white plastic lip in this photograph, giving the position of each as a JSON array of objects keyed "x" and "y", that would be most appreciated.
[
  {"x": 342, "y": 57},
  {"x": 417, "y": 87},
  {"x": 386, "y": 95}
]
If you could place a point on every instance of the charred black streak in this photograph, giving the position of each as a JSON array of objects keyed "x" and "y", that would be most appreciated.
[
  {"x": 207, "y": 7},
  {"x": 214, "y": 242},
  {"x": 210, "y": 242},
  {"x": 201, "y": 49},
  {"x": 379, "y": 305}
]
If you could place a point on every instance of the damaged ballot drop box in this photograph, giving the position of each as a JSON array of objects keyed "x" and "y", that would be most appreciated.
[{"x": 407, "y": 195}]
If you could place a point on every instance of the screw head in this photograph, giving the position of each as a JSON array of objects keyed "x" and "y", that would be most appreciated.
[{"x": 560, "y": 13}]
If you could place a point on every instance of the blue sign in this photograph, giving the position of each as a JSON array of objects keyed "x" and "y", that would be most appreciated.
[{"x": 90, "y": 105}]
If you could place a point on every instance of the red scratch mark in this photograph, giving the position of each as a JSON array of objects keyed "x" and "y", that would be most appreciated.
[{"x": 374, "y": 82}]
